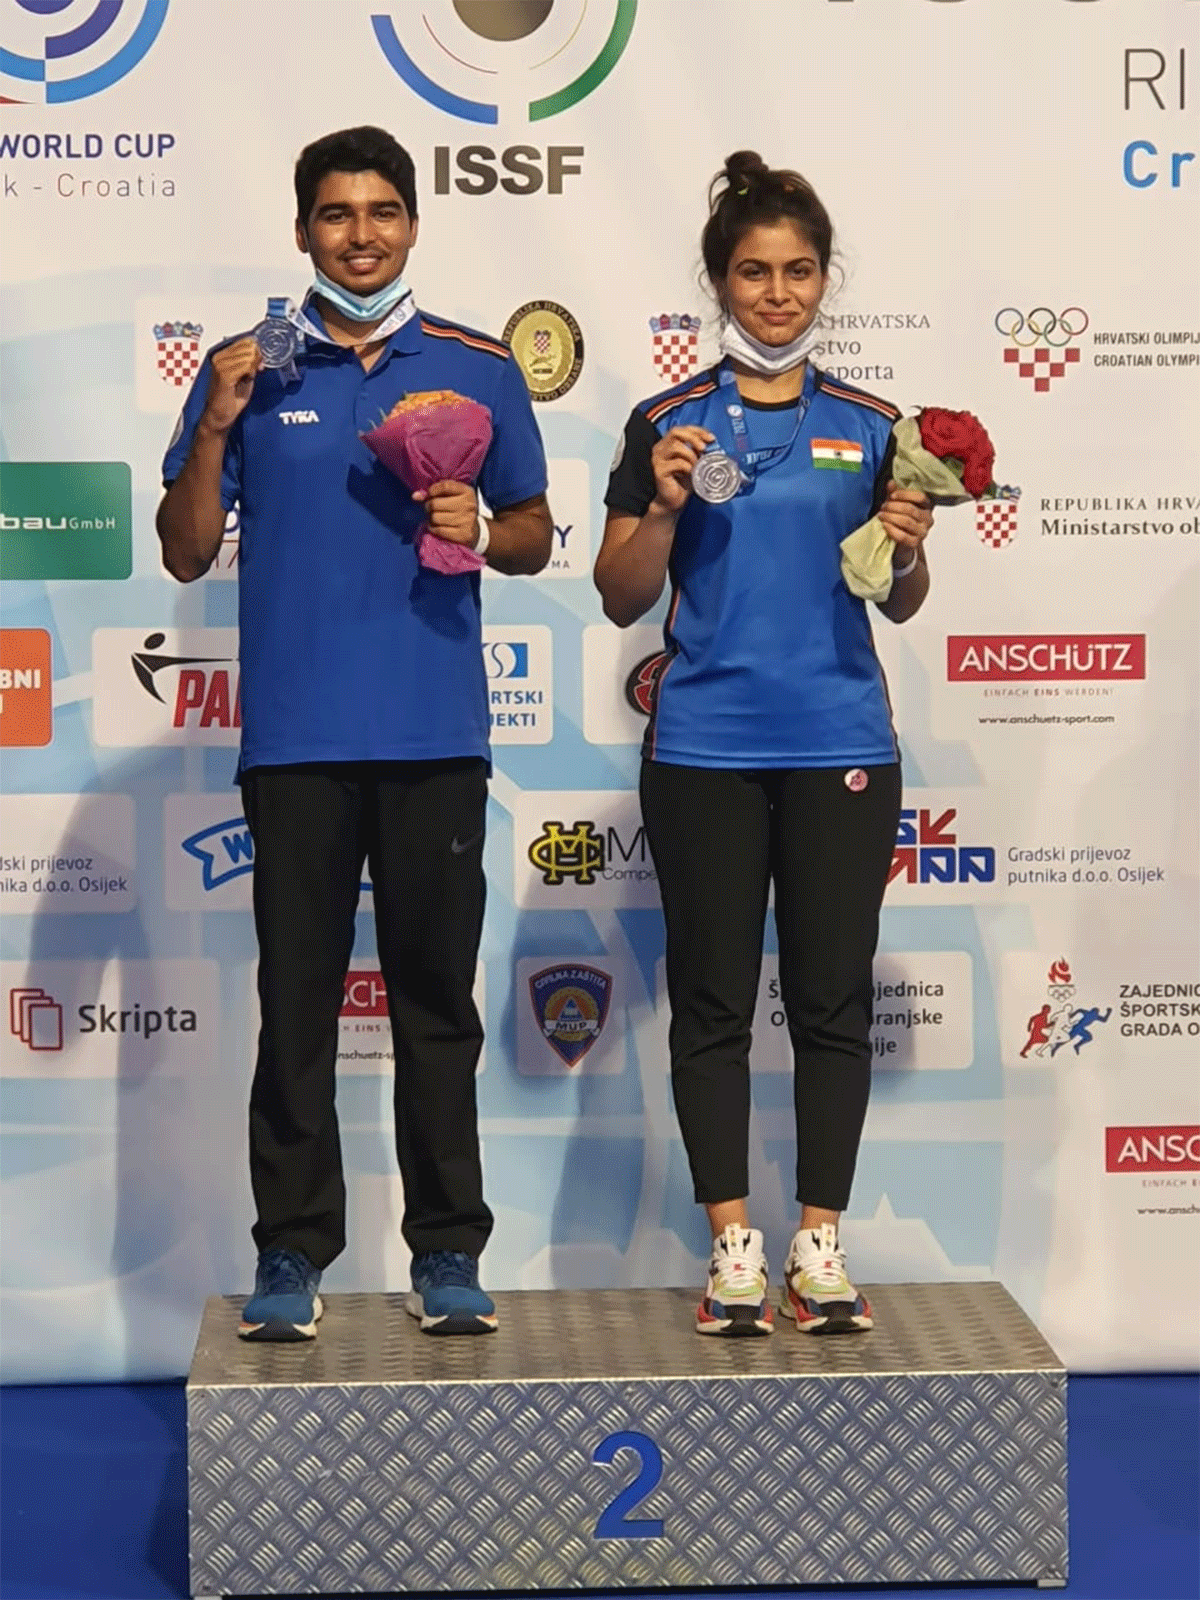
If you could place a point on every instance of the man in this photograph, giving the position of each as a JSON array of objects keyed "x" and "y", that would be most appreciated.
[{"x": 364, "y": 721}]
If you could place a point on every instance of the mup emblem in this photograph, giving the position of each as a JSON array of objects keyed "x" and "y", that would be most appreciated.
[{"x": 571, "y": 1007}]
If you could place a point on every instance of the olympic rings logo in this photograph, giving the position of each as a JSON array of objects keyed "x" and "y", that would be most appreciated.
[{"x": 1027, "y": 328}]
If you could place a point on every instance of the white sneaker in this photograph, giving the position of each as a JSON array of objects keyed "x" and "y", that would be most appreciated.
[
  {"x": 735, "y": 1298},
  {"x": 817, "y": 1294}
]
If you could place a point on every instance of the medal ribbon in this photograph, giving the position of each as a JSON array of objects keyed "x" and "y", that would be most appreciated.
[
  {"x": 300, "y": 320},
  {"x": 750, "y": 460}
]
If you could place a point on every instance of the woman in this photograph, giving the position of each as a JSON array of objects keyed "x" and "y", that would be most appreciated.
[{"x": 770, "y": 754}]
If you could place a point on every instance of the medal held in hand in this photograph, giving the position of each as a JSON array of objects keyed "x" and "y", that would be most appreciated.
[
  {"x": 278, "y": 338},
  {"x": 716, "y": 477}
]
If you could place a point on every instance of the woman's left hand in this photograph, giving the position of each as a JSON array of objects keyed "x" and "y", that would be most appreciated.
[{"x": 907, "y": 517}]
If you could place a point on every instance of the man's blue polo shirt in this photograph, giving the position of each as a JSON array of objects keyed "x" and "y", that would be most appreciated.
[{"x": 350, "y": 649}]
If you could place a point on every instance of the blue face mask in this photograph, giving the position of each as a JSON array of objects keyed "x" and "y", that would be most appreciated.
[{"x": 359, "y": 307}]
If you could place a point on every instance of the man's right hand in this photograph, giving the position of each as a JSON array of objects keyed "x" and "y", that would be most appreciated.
[{"x": 234, "y": 367}]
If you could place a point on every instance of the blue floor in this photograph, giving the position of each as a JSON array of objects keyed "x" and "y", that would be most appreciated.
[{"x": 93, "y": 1493}]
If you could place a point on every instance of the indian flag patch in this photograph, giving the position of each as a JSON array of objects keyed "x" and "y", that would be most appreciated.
[{"x": 843, "y": 455}]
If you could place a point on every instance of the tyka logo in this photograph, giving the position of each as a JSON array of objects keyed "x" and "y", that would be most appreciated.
[
  {"x": 571, "y": 1007},
  {"x": 92, "y": 46},
  {"x": 1060, "y": 1021},
  {"x": 1174, "y": 1148},
  {"x": 1039, "y": 344},
  {"x": 206, "y": 689},
  {"x": 36, "y": 1018},
  {"x": 177, "y": 351},
  {"x": 928, "y": 851}
]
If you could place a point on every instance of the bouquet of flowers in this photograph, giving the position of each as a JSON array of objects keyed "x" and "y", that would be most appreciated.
[
  {"x": 424, "y": 439},
  {"x": 949, "y": 458}
]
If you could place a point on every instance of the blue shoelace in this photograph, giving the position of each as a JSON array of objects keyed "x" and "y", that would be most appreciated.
[
  {"x": 285, "y": 1272},
  {"x": 447, "y": 1269}
]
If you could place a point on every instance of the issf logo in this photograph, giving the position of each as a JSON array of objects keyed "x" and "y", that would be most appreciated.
[
  {"x": 56, "y": 51},
  {"x": 520, "y": 62}
]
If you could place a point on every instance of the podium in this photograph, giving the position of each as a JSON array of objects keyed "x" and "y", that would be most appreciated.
[{"x": 596, "y": 1441}]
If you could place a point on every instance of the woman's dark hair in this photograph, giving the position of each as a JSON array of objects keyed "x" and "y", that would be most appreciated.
[
  {"x": 354, "y": 150},
  {"x": 748, "y": 194}
]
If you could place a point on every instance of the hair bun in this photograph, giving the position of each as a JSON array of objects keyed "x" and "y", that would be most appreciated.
[{"x": 745, "y": 169}]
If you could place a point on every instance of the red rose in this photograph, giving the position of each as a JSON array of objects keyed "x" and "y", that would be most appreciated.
[{"x": 959, "y": 435}]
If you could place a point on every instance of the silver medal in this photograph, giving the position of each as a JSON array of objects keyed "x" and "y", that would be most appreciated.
[
  {"x": 278, "y": 340},
  {"x": 716, "y": 477}
]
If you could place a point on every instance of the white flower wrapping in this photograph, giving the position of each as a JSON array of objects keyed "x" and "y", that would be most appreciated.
[{"x": 867, "y": 552}]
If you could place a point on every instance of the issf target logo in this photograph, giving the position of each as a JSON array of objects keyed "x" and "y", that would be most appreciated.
[
  {"x": 511, "y": 62},
  {"x": 55, "y": 51}
]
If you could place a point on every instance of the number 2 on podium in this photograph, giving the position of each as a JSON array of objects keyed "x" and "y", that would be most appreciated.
[{"x": 614, "y": 1521}]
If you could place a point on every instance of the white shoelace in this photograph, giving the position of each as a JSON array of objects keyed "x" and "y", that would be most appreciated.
[
  {"x": 738, "y": 1269},
  {"x": 828, "y": 1269}
]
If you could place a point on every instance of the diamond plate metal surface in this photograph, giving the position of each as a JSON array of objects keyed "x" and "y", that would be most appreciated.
[{"x": 933, "y": 1449}]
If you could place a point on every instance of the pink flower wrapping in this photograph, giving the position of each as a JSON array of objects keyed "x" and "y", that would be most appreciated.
[{"x": 426, "y": 439}]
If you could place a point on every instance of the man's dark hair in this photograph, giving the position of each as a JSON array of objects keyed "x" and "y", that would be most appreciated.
[{"x": 354, "y": 150}]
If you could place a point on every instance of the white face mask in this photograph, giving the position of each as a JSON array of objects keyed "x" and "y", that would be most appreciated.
[{"x": 768, "y": 359}]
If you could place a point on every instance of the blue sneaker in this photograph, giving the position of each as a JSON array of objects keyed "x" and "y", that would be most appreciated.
[
  {"x": 285, "y": 1305},
  {"x": 446, "y": 1294}
]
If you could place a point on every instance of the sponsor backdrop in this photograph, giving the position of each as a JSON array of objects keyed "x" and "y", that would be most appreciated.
[{"x": 1035, "y": 1115}]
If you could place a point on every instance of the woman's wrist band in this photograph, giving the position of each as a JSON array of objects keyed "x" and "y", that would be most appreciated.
[{"x": 903, "y": 572}]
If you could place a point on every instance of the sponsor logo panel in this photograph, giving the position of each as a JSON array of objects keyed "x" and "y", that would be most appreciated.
[
  {"x": 1175, "y": 1148},
  {"x": 1155, "y": 1169},
  {"x": 519, "y": 663},
  {"x": 365, "y": 1047},
  {"x": 166, "y": 686},
  {"x": 1059, "y": 688},
  {"x": 569, "y": 1012},
  {"x": 569, "y": 495},
  {"x": 66, "y": 519},
  {"x": 924, "y": 1014},
  {"x": 1057, "y": 1012},
  {"x": 581, "y": 848},
  {"x": 618, "y": 675},
  {"x": 71, "y": 853},
  {"x": 26, "y": 687},
  {"x": 974, "y": 846},
  {"x": 109, "y": 1019},
  {"x": 208, "y": 854}
]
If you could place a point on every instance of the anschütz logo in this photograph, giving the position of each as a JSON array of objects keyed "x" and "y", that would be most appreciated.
[{"x": 55, "y": 51}]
